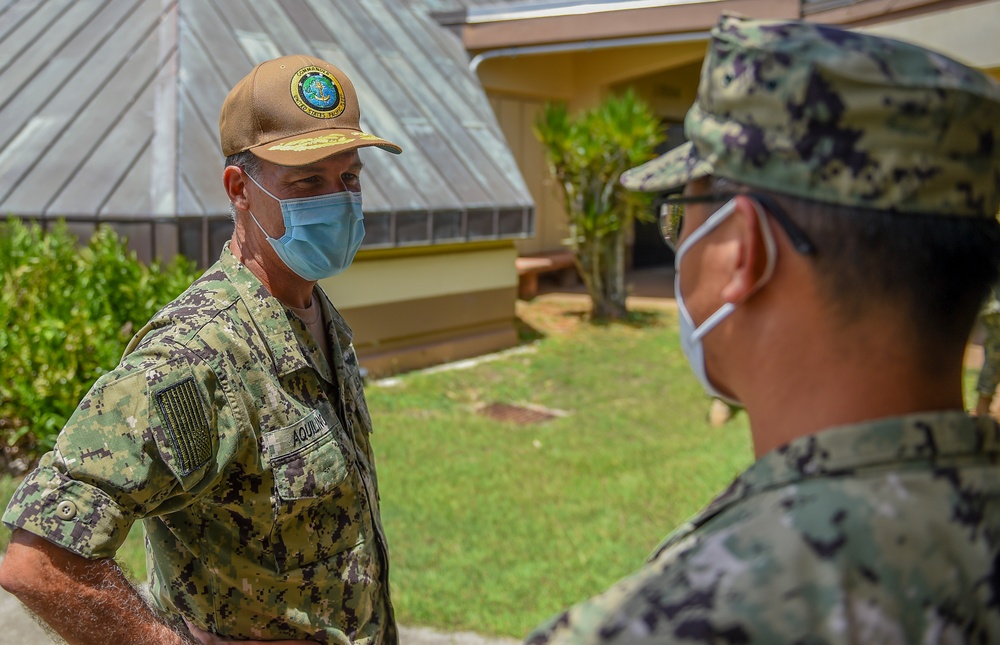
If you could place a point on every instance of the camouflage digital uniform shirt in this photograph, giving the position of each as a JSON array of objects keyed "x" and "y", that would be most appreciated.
[
  {"x": 248, "y": 461},
  {"x": 883, "y": 532},
  {"x": 989, "y": 318}
]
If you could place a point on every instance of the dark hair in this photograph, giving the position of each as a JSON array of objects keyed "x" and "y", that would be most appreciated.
[
  {"x": 939, "y": 269},
  {"x": 248, "y": 161}
]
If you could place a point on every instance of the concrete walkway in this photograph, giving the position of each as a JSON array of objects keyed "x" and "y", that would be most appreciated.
[{"x": 17, "y": 627}]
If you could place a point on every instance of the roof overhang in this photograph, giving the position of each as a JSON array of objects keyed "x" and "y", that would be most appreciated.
[
  {"x": 855, "y": 13},
  {"x": 487, "y": 28}
]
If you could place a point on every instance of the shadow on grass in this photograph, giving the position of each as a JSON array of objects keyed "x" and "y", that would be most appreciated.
[
  {"x": 633, "y": 319},
  {"x": 526, "y": 334}
]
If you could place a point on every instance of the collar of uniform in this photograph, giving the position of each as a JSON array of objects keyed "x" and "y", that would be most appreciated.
[
  {"x": 340, "y": 335},
  {"x": 270, "y": 316},
  {"x": 846, "y": 449},
  {"x": 337, "y": 327}
]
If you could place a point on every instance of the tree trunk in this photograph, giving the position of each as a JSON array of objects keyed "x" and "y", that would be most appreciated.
[{"x": 607, "y": 287}]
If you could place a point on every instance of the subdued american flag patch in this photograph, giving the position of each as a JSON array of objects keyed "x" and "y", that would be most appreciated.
[{"x": 185, "y": 419}]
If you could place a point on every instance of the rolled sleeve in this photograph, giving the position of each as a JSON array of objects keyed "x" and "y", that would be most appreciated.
[
  {"x": 78, "y": 517},
  {"x": 141, "y": 443}
]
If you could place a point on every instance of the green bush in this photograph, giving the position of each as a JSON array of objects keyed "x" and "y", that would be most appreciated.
[{"x": 66, "y": 314}]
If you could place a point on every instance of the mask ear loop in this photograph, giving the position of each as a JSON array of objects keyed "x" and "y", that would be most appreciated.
[
  {"x": 769, "y": 244},
  {"x": 266, "y": 192},
  {"x": 258, "y": 225},
  {"x": 257, "y": 184},
  {"x": 772, "y": 258}
]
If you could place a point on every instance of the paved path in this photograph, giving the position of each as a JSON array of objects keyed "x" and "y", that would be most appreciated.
[{"x": 18, "y": 628}]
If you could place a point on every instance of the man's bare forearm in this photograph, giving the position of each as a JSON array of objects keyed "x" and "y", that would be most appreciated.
[{"x": 87, "y": 602}]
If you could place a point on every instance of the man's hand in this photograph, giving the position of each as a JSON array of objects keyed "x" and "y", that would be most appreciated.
[{"x": 87, "y": 602}]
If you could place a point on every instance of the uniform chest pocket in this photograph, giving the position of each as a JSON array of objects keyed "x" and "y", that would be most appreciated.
[{"x": 306, "y": 458}]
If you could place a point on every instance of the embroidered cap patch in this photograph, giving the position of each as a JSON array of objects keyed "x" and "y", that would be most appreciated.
[
  {"x": 317, "y": 93},
  {"x": 185, "y": 420}
]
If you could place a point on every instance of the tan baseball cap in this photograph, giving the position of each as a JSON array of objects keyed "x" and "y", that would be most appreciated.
[{"x": 292, "y": 111}]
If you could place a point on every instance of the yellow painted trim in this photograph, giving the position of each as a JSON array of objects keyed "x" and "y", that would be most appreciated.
[
  {"x": 417, "y": 276},
  {"x": 434, "y": 249}
]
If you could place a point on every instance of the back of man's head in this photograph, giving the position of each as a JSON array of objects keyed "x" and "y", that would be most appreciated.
[{"x": 886, "y": 154}]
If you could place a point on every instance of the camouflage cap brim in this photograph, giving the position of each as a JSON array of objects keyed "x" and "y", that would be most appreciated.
[{"x": 667, "y": 172}]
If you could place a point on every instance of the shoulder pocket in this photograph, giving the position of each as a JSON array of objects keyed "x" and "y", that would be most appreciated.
[{"x": 306, "y": 458}]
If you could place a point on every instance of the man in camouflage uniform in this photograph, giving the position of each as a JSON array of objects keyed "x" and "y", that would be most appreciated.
[
  {"x": 838, "y": 239},
  {"x": 989, "y": 375},
  {"x": 235, "y": 426}
]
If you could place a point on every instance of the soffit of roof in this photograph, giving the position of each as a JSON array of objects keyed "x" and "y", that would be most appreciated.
[
  {"x": 855, "y": 13},
  {"x": 530, "y": 23},
  {"x": 129, "y": 128}
]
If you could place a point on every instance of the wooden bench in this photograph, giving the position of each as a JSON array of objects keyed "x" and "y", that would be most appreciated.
[{"x": 529, "y": 267}]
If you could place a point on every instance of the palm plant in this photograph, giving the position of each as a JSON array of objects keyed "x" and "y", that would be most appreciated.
[{"x": 587, "y": 154}]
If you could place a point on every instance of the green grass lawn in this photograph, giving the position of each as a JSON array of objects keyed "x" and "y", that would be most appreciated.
[{"x": 494, "y": 526}]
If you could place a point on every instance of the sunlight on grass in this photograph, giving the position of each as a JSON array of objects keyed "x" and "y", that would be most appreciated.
[{"x": 493, "y": 526}]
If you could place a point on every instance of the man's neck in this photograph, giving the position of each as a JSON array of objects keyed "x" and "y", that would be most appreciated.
[
  {"x": 279, "y": 280},
  {"x": 833, "y": 386}
]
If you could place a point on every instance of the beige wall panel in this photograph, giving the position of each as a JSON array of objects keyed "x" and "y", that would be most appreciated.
[
  {"x": 582, "y": 78},
  {"x": 553, "y": 228},
  {"x": 608, "y": 68},
  {"x": 508, "y": 113},
  {"x": 517, "y": 117},
  {"x": 412, "y": 319},
  {"x": 968, "y": 34},
  {"x": 417, "y": 333},
  {"x": 390, "y": 361},
  {"x": 671, "y": 92},
  {"x": 543, "y": 77},
  {"x": 381, "y": 280}
]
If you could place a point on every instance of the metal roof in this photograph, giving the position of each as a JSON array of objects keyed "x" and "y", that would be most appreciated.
[{"x": 109, "y": 108}]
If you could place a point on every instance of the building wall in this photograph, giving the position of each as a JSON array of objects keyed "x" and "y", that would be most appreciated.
[
  {"x": 429, "y": 305},
  {"x": 517, "y": 116},
  {"x": 968, "y": 34},
  {"x": 666, "y": 76}
]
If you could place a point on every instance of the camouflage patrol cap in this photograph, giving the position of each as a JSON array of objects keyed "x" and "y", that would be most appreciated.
[{"x": 841, "y": 117}]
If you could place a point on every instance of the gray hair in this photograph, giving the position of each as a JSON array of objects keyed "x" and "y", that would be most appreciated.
[{"x": 250, "y": 164}]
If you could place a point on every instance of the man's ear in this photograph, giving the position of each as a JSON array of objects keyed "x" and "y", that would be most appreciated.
[
  {"x": 752, "y": 252},
  {"x": 235, "y": 184}
]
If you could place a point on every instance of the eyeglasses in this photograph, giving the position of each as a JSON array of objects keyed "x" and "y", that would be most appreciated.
[{"x": 672, "y": 218}]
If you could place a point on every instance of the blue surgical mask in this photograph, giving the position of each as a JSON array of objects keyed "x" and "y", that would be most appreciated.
[
  {"x": 322, "y": 233},
  {"x": 691, "y": 335}
]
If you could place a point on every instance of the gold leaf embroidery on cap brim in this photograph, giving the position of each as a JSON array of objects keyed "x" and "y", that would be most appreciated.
[
  {"x": 364, "y": 136},
  {"x": 313, "y": 143}
]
